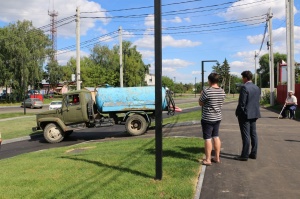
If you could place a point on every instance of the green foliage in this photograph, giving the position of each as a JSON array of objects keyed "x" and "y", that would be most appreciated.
[
  {"x": 264, "y": 68},
  {"x": 168, "y": 82},
  {"x": 297, "y": 75},
  {"x": 224, "y": 72},
  {"x": 22, "y": 54},
  {"x": 103, "y": 67},
  {"x": 235, "y": 81},
  {"x": 266, "y": 96}
]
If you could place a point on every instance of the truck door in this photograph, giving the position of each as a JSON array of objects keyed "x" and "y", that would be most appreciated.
[{"x": 72, "y": 109}]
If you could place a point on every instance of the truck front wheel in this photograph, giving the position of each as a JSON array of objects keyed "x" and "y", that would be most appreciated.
[
  {"x": 136, "y": 125},
  {"x": 53, "y": 133}
]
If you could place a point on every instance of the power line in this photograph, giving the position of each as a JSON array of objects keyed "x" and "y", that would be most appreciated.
[
  {"x": 57, "y": 22},
  {"x": 221, "y": 23},
  {"x": 176, "y": 12},
  {"x": 88, "y": 41},
  {"x": 86, "y": 46},
  {"x": 143, "y": 7}
]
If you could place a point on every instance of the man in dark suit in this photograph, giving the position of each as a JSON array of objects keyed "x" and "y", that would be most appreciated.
[{"x": 247, "y": 113}]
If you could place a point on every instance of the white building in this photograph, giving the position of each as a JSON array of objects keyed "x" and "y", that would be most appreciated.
[{"x": 150, "y": 79}]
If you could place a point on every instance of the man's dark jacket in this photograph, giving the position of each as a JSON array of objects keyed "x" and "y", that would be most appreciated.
[{"x": 248, "y": 107}]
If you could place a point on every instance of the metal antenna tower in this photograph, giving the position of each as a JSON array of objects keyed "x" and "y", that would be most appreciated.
[{"x": 53, "y": 31}]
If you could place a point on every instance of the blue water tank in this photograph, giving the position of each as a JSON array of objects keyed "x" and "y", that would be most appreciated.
[{"x": 128, "y": 99}]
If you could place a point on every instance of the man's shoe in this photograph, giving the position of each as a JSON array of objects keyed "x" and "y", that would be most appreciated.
[
  {"x": 240, "y": 158},
  {"x": 252, "y": 156},
  {"x": 282, "y": 118}
]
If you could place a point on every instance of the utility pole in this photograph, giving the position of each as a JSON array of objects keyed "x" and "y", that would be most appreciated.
[
  {"x": 255, "y": 72},
  {"x": 290, "y": 44},
  {"x": 271, "y": 58},
  {"x": 121, "y": 59},
  {"x": 78, "y": 81}
]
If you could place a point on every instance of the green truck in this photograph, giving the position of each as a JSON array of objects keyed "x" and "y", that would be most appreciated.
[{"x": 79, "y": 110}]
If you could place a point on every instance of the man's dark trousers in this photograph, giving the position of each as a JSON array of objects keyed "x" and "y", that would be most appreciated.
[{"x": 248, "y": 132}]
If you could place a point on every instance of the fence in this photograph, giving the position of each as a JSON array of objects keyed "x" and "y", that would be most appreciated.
[{"x": 282, "y": 93}]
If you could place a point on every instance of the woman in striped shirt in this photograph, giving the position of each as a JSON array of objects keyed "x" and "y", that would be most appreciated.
[{"x": 211, "y": 100}]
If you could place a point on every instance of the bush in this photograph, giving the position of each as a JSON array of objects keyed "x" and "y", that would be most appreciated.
[{"x": 265, "y": 98}]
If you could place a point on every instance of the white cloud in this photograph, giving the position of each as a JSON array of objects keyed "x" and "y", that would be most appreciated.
[
  {"x": 279, "y": 41},
  {"x": 127, "y": 34},
  {"x": 167, "y": 41},
  {"x": 175, "y": 63},
  {"x": 278, "y": 35},
  {"x": 147, "y": 54},
  {"x": 63, "y": 57},
  {"x": 146, "y": 42},
  {"x": 256, "y": 39},
  {"x": 106, "y": 39},
  {"x": 168, "y": 70},
  {"x": 102, "y": 30},
  {"x": 239, "y": 66},
  {"x": 196, "y": 72},
  {"x": 246, "y": 8},
  {"x": 187, "y": 19},
  {"x": 149, "y": 21},
  {"x": 174, "y": 20},
  {"x": 37, "y": 12},
  {"x": 236, "y": 74},
  {"x": 170, "y": 41}
]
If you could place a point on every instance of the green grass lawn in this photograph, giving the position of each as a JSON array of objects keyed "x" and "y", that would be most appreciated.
[
  {"x": 10, "y": 115},
  {"x": 117, "y": 169},
  {"x": 184, "y": 117},
  {"x": 17, "y": 127}
]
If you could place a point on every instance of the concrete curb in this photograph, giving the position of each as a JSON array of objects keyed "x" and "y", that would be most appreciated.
[
  {"x": 8, "y": 141},
  {"x": 200, "y": 182}
]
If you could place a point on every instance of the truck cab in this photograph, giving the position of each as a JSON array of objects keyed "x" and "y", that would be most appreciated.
[{"x": 76, "y": 109}]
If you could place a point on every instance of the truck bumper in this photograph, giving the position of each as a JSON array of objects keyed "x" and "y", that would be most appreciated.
[{"x": 34, "y": 129}]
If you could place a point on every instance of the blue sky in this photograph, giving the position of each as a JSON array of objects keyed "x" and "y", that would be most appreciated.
[{"x": 193, "y": 30}]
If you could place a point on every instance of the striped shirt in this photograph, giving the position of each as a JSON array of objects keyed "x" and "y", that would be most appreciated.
[{"x": 213, "y": 99}]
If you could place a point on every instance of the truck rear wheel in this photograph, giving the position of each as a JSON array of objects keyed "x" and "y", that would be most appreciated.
[
  {"x": 136, "y": 125},
  {"x": 53, "y": 133}
]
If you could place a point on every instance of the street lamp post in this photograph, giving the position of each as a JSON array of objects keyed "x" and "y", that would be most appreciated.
[{"x": 202, "y": 70}]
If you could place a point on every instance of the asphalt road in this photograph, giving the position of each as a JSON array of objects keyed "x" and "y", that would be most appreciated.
[
  {"x": 36, "y": 143},
  {"x": 19, "y": 109}
]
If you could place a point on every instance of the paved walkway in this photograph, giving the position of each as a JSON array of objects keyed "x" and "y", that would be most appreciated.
[{"x": 276, "y": 172}]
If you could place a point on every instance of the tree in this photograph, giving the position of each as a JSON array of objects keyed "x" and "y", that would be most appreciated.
[
  {"x": 297, "y": 74},
  {"x": 22, "y": 54},
  {"x": 167, "y": 82},
  {"x": 264, "y": 68},
  {"x": 224, "y": 72},
  {"x": 235, "y": 81},
  {"x": 134, "y": 67},
  {"x": 54, "y": 74}
]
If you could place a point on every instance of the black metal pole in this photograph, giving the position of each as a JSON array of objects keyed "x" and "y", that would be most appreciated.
[
  {"x": 202, "y": 75},
  {"x": 158, "y": 89},
  {"x": 202, "y": 70}
]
